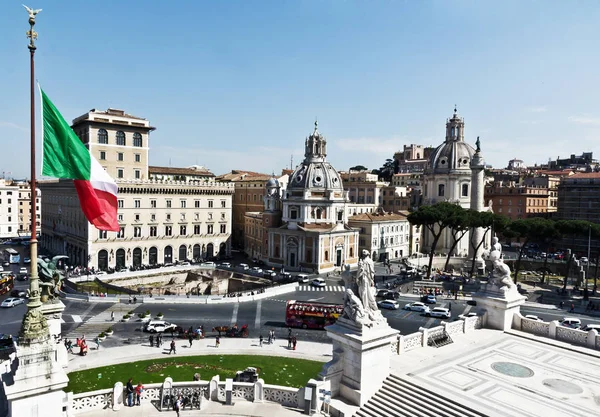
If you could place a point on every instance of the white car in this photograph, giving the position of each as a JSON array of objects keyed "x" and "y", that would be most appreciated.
[
  {"x": 209, "y": 264},
  {"x": 23, "y": 270},
  {"x": 11, "y": 302},
  {"x": 185, "y": 263},
  {"x": 417, "y": 306},
  {"x": 464, "y": 316},
  {"x": 318, "y": 282},
  {"x": 302, "y": 278},
  {"x": 1, "y": 269},
  {"x": 159, "y": 326},
  {"x": 244, "y": 267},
  {"x": 389, "y": 304},
  {"x": 225, "y": 265},
  {"x": 532, "y": 317},
  {"x": 257, "y": 270},
  {"x": 439, "y": 312},
  {"x": 6, "y": 264}
]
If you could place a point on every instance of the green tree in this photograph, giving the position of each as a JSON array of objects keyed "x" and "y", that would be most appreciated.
[
  {"x": 359, "y": 168},
  {"x": 386, "y": 171},
  {"x": 435, "y": 219},
  {"x": 459, "y": 224}
]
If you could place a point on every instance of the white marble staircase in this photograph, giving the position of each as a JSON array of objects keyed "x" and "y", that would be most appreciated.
[{"x": 401, "y": 398}]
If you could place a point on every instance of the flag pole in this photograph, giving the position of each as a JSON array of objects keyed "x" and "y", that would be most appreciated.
[{"x": 34, "y": 327}]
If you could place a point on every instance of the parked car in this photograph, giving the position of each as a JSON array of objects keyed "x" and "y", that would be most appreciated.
[
  {"x": 257, "y": 270},
  {"x": 302, "y": 278},
  {"x": 429, "y": 299},
  {"x": 285, "y": 275},
  {"x": 28, "y": 260},
  {"x": 22, "y": 277},
  {"x": 583, "y": 260},
  {"x": 184, "y": 263},
  {"x": 439, "y": 312},
  {"x": 270, "y": 274},
  {"x": 533, "y": 317},
  {"x": 392, "y": 295},
  {"x": 382, "y": 293},
  {"x": 6, "y": 263},
  {"x": 464, "y": 316},
  {"x": 208, "y": 264},
  {"x": 159, "y": 326},
  {"x": 18, "y": 293},
  {"x": 318, "y": 282},
  {"x": 11, "y": 302},
  {"x": 225, "y": 265},
  {"x": 417, "y": 306},
  {"x": 572, "y": 322},
  {"x": 22, "y": 270},
  {"x": 1, "y": 269},
  {"x": 589, "y": 327},
  {"x": 244, "y": 267},
  {"x": 389, "y": 304}
]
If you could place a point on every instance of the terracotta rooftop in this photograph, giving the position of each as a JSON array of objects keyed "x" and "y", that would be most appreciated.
[
  {"x": 239, "y": 175},
  {"x": 203, "y": 172},
  {"x": 584, "y": 175},
  {"x": 565, "y": 173},
  {"x": 379, "y": 217}
]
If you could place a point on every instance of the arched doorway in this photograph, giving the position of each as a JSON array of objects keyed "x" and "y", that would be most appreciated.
[
  {"x": 120, "y": 262},
  {"x": 137, "y": 257},
  {"x": 222, "y": 250},
  {"x": 103, "y": 260},
  {"x": 182, "y": 253},
  {"x": 196, "y": 254},
  {"x": 210, "y": 251},
  {"x": 168, "y": 258},
  {"x": 153, "y": 257}
]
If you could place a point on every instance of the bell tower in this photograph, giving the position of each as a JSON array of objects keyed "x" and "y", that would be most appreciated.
[
  {"x": 455, "y": 128},
  {"x": 315, "y": 147}
]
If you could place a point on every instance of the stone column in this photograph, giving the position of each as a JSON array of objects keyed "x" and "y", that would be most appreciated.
[{"x": 477, "y": 203}]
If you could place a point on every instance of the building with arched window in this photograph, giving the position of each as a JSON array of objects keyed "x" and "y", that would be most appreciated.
[
  {"x": 455, "y": 174},
  {"x": 166, "y": 214},
  {"x": 313, "y": 234}
]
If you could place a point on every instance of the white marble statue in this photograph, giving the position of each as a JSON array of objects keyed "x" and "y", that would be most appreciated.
[
  {"x": 353, "y": 309},
  {"x": 500, "y": 275},
  {"x": 365, "y": 279},
  {"x": 496, "y": 245}
]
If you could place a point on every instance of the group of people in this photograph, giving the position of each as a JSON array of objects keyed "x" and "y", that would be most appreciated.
[
  {"x": 134, "y": 391},
  {"x": 270, "y": 340},
  {"x": 81, "y": 343},
  {"x": 156, "y": 341},
  {"x": 292, "y": 340}
]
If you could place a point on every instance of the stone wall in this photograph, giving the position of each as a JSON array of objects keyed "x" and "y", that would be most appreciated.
[{"x": 554, "y": 330}]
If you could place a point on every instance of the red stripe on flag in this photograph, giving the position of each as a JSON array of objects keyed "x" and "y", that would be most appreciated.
[{"x": 99, "y": 207}]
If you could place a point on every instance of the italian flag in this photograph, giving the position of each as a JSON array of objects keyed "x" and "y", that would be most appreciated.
[{"x": 65, "y": 156}]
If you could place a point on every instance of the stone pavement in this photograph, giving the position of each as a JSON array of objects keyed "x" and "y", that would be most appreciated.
[{"x": 229, "y": 346}]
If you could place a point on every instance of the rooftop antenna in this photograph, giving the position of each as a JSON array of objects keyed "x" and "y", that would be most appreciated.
[
  {"x": 169, "y": 161},
  {"x": 292, "y": 161}
]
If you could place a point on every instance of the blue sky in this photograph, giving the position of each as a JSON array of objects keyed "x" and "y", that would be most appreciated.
[{"x": 238, "y": 84}]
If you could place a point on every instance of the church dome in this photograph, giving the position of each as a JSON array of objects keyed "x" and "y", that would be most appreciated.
[
  {"x": 272, "y": 183},
  {"x": 454, "y": 154},
  {"x": 315, "y": 172}
]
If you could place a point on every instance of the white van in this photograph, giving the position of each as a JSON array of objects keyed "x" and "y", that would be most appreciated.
[
  {"x": 572, "y": 322},
  {"x": 302, "y": 278}
]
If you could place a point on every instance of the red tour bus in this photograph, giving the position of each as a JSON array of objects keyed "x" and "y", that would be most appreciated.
[{"x": 311, "y": 315}]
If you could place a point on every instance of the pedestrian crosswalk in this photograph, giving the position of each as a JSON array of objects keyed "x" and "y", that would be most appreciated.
[
  {"x": 96, "y": 323},
  {"x": 330, "y": 288}
]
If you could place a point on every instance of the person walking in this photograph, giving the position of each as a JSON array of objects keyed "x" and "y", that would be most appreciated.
[
  {"x": 190, "y": 338},
  {"x": 260, "y": 340},
  {"x": 217, "y": 341},
  {"x": 173, "y": 347},
  {"x": 177, "y": 405},
  {"x": 270, "y": 340},
  {"x": 273, "y": 335},
  {"x": 159, "y": 340},
  {"x": 151, "y": 339},
  {"x": 294, "y": 341},
  {"x": 138, "y": 393},
  {"x": 112, "y": 316},
  {"x": 289, "y": 341},
  {"x": 572, "y": 310},
  {"x": 130, "y": 393},
  {"x": 97, "y": 341}
]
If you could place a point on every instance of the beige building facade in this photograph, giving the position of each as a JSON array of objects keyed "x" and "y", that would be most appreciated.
[
  {"x": 386, "y": 236},
  {"x": 25, "y": 208},
  {"x": 165, "y": 214},
  {"x": 9, "y": 205}
]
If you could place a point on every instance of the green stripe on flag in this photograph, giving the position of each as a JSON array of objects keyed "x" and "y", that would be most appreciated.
[{"x": 65, "y": 156}]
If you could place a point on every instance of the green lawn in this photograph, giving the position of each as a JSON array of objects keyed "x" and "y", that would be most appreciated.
[{"x": 274, "y": 370}]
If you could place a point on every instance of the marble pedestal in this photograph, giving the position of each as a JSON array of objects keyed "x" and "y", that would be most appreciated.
[
  {"x": 35, "y": 385},
  {"x": 361, "y": 359},
  {"x": 53, "y": 314},
  {"x": 500, "y": 306}
]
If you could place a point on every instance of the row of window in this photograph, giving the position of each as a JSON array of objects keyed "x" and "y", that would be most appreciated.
[
  {"x": 168, "y": 217},
  {"x": 530, "y": 202},
  {"x": 169, "y": 203},
  {"x": 120, "y": 138},
  {"x": 121, "y": 156},
  {"x": 256, "y": 197},
  {"x": 168, "y": 231}
]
